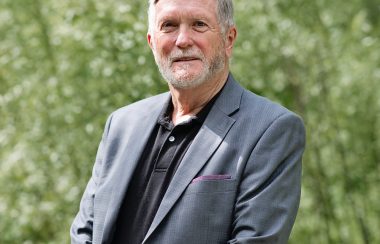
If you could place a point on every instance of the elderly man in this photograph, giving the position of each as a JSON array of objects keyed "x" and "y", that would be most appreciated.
[{"x": 208, "y": 162}]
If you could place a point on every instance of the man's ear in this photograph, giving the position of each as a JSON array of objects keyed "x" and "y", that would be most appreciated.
[
  {"x": 149, "y": 39},
  {"x": 230, "y": 40}
]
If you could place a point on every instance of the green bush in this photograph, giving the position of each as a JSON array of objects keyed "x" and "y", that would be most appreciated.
[{"x": 66, "y": 65}]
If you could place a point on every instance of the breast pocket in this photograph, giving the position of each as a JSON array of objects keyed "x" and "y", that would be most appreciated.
[
  {"x": 211, "y": 186},
  {"x": 207, "y": 206}
]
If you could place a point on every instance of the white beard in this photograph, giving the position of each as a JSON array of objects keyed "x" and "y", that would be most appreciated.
[{"x": 181, "y": 78}]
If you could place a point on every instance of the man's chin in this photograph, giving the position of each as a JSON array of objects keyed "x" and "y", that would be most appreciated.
[{"x": 185, "y": 82}]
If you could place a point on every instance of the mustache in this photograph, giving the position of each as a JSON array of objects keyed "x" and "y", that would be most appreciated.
[{"x": 179, "y": 54}]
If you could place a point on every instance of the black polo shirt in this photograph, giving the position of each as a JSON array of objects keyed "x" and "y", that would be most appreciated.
[{"x": 160, "y": 159}]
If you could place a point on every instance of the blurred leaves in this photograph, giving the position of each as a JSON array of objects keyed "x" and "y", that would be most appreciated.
[{"x": 65, "y": 65}]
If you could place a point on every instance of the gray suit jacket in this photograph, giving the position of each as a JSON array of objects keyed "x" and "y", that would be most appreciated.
[{"x": 239, "y": 181}]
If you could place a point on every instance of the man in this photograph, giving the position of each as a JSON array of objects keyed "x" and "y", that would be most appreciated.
[{"x": 208, "y": 162}]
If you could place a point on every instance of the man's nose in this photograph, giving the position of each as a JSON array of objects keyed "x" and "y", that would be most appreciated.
[{"x": 184, "y": 38}]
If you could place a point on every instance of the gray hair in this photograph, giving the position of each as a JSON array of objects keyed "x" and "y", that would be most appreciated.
[{"x": 225, "y": 14}]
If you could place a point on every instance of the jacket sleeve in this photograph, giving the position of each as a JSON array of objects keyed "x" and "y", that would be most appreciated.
[
  {"x": 270, "y": 186},
  {"x": 82, "y": 227}
]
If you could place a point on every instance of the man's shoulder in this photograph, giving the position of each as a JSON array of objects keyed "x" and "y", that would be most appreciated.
[
  {"x": 251, "y": 104},
  {"x": 255, "y": 105},
  {"x": 146, "y": 105},
  {"x": 145, "y": 109}
]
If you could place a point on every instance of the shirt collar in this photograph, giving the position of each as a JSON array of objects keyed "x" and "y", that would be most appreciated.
[{"x": 165, "y": 120}]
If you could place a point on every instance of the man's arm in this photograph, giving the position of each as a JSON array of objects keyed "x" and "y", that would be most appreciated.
[
  {"x": 269, "y": 190},
  {"x": 82, "y": 226}
]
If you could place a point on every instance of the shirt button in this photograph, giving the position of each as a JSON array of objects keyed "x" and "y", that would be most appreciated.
[{"x": 171, "y": 138}]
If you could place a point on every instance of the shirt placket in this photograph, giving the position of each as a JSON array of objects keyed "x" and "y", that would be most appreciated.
[{"x": 167, "y": 151}]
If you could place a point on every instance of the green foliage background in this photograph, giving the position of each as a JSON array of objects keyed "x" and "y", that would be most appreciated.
[{"x": 66, "y": 65}]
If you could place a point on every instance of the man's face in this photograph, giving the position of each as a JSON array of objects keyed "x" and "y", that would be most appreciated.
[{"x": 187, "y": 42}]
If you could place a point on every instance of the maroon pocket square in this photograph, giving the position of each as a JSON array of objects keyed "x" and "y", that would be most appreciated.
[{"x": 211, "y": 177}]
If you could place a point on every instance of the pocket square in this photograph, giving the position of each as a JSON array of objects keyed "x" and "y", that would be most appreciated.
[{"x": 211, "y": 177}]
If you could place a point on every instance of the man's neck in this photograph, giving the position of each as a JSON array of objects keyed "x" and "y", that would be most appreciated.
[{"x": 188, "y": 102}]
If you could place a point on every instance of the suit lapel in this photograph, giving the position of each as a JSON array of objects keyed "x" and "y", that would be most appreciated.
[
  {"x": 208, "y": 139},
  {"x": 136, "y": 141}
]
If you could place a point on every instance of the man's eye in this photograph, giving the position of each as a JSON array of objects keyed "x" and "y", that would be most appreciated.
[
  {"x": 167, "y": 26},
  {"x": 200, "y": 24}
]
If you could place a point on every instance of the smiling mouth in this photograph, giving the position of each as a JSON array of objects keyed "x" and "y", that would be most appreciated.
[{"x": 185, "y": 59}]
